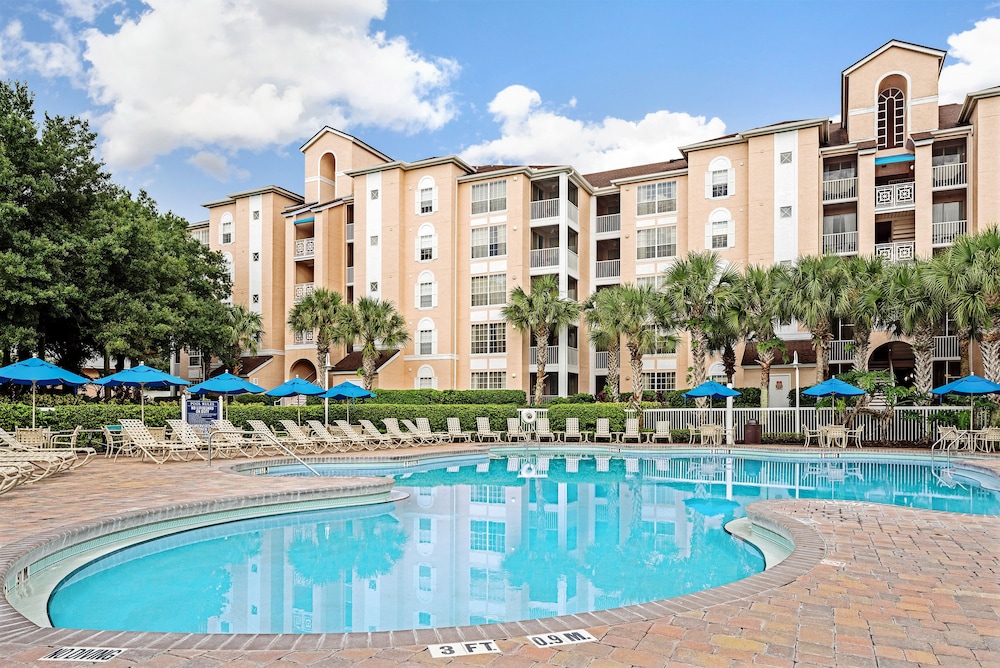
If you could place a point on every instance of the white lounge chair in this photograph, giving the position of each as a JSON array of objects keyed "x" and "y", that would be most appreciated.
[
  {"x": 485, "y": 432},
  {"x": 543, "y": 432},
  {"x": 632, "y": 433},
  {"x": 573, "y": 432},
  {"x": 514, "y": 431},
  {"x": 602, "y": 432},
  {"x": 455, "y": 431},
  {"x": 662, "y": 432}
]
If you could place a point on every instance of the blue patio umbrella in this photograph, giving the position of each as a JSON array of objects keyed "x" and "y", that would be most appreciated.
[
  {"x": 225, "y": 384},
  {"x": 37, "y": 372},
  {"x": 141, "y": 376},
  {"x": 971, "y": 385},
  {"x": 833, "y": 388},
  {"x": 712, "y": 390},
  {"x": 294, "y": 388},
  {"x": 348, "y": 390}
]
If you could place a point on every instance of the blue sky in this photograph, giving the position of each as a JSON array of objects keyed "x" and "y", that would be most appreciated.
[{"x": 197, "y": 99}]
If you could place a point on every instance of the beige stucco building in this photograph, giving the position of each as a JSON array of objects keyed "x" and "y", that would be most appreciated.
[{"x": 899, "y": 175}]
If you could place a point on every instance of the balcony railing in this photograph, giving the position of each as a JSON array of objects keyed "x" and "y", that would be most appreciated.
[
  {"x": 601, "y": 360},
  {"x": 302, "y": 338},
  {"x": 303, "y": 289},
  {"x": 349, "y": 232},
  {"x": 943, "y": 234},
  {"x": 612, "y": 222},
  {"x": 840, "y": 352},
  {"x": 895, "y": 196},
  {"x": 546, "y": 208},
  {"x": 573, "y": 260},
  {"x": 949, "y": 176},
  {"x": 552, "y": 355},
  {"x": 573, "y": 356},
  {"x": 900, "y": 251},
  {"x": 609, "y": 268},
  {"x": 544, "y": 257},
  {"x": 841, "y": 243},
  {"x": 305, "y": 248},
  {"x": 946, "y": 348},
  {"x": 350, "y": 275},
  {"x": 840, "y": 190},
  {"x": 573, "y": 212}
]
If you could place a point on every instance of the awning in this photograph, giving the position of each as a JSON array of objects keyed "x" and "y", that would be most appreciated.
[
  {"x": 305, "y": 220},
  {"x": 890, "y": 159}
]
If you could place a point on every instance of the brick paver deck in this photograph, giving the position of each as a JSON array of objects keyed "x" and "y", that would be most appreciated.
[{"x": 868, "y": 585}]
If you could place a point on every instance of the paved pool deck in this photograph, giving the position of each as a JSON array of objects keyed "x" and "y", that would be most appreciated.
[{"x": 867, "y": 585}]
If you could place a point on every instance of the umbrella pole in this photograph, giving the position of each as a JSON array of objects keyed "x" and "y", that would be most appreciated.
[
  {"x": 142, "y": 404},
  {"x": 33, "y": 385}
]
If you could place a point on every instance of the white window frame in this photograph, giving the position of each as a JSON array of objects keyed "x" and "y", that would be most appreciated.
[
  {"x": 659, "y": 381},
  {"x": 488, "y": 380},
  {"x": 656, "y": 242},
  {"x": 426, "y": 243},
  {"x": 488, "y": 338},
  {"x": 897, "y": 122},
  {"x": 662, "y": 343},
  {"x": 201, "y": 236},
  {"x": 494, "y": 244},
  {"x": 425, "y": 291},
  {"x": 425, "y": 342},
  {"x": 720, "y": 179},
  {"x": 654, "y": 198},
  {"x": 655, "y": 282},
  {"x": 426, "y": 379},
  {"x": 227, "y": 230},
  {"x": 718, "y": 220},
  {"x": 489, "y": 290},
  {"x": 489, "y": 197},
  {"x": 426, "y": 197}
]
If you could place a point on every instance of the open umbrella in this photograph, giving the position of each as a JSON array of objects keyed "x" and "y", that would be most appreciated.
[
  {"x": 141, "y": 376},
  {"x": 348, "y": 390},
  {"x": 833, "y": 388},
  {"x": 37, "y": 372},
  {"x": 226, "y": 384},
  {"x": 971, "y": 385},
  {"x": 294, "y": 388},
  {"x": 712, "y": 390}
]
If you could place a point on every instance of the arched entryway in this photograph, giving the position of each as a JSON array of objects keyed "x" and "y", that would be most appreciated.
[
  {"x": 306, "y": 370},
  {"x": 895, "y": 357}
]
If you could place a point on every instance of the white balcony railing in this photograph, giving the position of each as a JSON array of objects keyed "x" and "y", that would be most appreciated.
[
  {"x": 900, "y": 251},
  {"x": 895, "y": 196},
  {"x": 349, "y": 232},
  {"x": 946, "y": 348},
  {"x": 608, "y": 268},
  {"x": 601, "y": 360},
  {"x": 544, "y": 257},
  {"x": 840, "y": 351},
  {"x": 840, "y": 190},
  {"x": 949, "y": 176},
  {"x": 305, "y": 248},
  {"x": 303, "y": 289},
  {"x": 350, "y": 275},
  {"x": 546, "y": 208},
  {"x": 572, "y": 212},
  {"x": 573, "y": 356},
  {"x": 302, "y": 338},
  {"x": 943, "y": 234},
  {"x": 573, "y": 260},
  {"x": 612, "y": 222},
  {"x": 841, "y": 243},
  {"x": 551, "y": 355}
]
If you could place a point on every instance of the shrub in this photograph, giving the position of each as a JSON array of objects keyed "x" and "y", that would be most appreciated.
[{"x": 424, "y": 397}]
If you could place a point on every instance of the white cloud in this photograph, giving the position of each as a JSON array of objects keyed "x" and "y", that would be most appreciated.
[
  {"x": 236, "y": 74},
  {"x": 530, "y": 134},
  {"x": 978, "y": 52},
  {"x": 217, "y": 166}
]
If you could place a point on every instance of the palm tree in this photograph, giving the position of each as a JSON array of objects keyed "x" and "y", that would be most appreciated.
[
  {"x": 696, "y": 286},
  {"x": 864, "y": 301},
  {"x": 916, "y": 311},
  {"x": 376, "y": 325},
  {"x": 969, "y": 278},
  {"x": 321, "y": 311},
  {"x": 642, "y": 311},
  {"x": 814, "y": 293},
  {"x": 604, "y": 318},
  {"x": 762, "y": 303},
  {"x": 243, "y": 329},
  {"x": 540, "y": 313}
]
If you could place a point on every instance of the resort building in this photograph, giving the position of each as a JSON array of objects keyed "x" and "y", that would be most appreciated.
[{"x": 899, "y": 175}]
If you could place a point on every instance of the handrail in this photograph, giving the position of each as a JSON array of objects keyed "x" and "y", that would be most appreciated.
[{"x": 269, "y": 437}]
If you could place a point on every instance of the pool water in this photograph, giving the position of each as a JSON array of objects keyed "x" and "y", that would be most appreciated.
[{"x": 481, "y": 540}]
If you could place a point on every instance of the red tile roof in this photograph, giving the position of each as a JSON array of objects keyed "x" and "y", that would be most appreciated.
[{"x": 604, "y": 179}]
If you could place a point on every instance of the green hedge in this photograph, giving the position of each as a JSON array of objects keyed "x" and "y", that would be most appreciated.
[
  {"x": 424, "y": 397},
  {"x": 588, "y": 414}
]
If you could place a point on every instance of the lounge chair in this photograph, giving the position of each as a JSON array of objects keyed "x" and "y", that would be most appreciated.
[
  {"x": 573, "y": 432},
  {"x": 392, "y": 428},
  {"x": 602, "y": 432},
  {"x": 373, "y": 434},
  {"x": 188, "y": 435},
  {"x": 13, "y": 474},
  {"x": 662, "y": 432},
  {"x": 331, "y": 442},
  {"x": 58, "y": 459},
  {"x": 65, "y": 441},
  {"x": 301, "y": 440},
  {"x": 514, "y": 431},
  {"x": 632, "y": 433},
  {"x": 157, "y": 450},
  {"x": 228, "y": 440},
  {"x": 455, "y": 432},
  {"x": 424, "y": 425},
  {"x": 543, "y": 432},
  {"x": 485, "y": 432},
  {"x": 424, "y": 435},
  {"x": 355, "y": 439}
]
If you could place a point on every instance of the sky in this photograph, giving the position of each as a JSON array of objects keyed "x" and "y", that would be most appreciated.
[{"x": 194, "y": 100}]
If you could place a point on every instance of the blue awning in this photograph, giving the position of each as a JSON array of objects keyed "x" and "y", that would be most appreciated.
[
  {"x": 305, "y": 220},
  {"x": 889, "y": 159}
]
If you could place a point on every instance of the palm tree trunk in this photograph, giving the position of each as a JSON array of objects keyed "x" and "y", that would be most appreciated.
[
  {"x": 322, "y": 352},
  {"x": 542, "y": 358},
  {"x": 699, "y": 347},
  {"x": 990, "y": 347},
  {"x": 862, "y": 342},
  {"x": 614, "y": 364},
  {"x": 923, "y": 359},
  {"x": 963, "y": 353},
  {"x": 821, "y": 342},
  {"x": 765, "y": 359},
  {"x": 635, "y": 362},
  {"x": 368, "y": 369},
  {"x": 729, "y": 361}
]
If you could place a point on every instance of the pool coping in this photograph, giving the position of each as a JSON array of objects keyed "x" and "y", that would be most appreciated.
[{"x": 809, "y": 550}]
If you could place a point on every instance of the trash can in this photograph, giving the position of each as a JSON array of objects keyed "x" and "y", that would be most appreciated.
[{"x": 751, "y": 432}]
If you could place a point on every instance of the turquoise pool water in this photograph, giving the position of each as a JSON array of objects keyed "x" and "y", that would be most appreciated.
[{"x": 480, "y": 540}]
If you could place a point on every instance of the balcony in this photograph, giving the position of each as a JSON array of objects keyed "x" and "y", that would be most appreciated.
[
  {"x": 302, "y": 290},
  {"x": 573, "y": 212},
  {"x": 546, "y": 208},
  {"x": 350, "y": 276},
  {"x": 608, "y": 269},
  {"x": 552, "y": 355},
  {"x": 305, "y": 249},
  {"x": 840, "y": 351},
  {"x": 349, "y": 232},
  {"x": 601, "y": 361},
  {"x": 840, "y": 190},
  {"x": 949, "y": 176},
  {"x": 841, "y": 243},
  {"x": 572, "y": 260},
  {"x": 609, "y": 223},
  {"x": 544, "y": 257},
  {"x": 944, "y": 233},
  {"x": 946, "y": 348},
  {"x": 900, "y": 251},
  {"x": 895, "y": 196}
]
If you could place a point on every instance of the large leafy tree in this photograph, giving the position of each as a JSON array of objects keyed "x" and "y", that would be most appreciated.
[
  {"x": 761, "y": 303},
  {"x": 324, "y": 313},
  {"x": 916, "y": 310},
  {"x": 540, "y": 312},
  {"x": 604, "y": 318},
  {"x": 376, "y": 325},
  {"x": 864, "y": 301},
  {"x": 815, "y": 293},
  {"x": 697, "y": 287}
]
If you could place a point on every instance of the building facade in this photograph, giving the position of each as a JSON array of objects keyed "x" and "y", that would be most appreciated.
[{"x": 899, "y": 175}]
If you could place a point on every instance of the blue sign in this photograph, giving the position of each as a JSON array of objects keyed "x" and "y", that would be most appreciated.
[{"x": 200, "y": 414}]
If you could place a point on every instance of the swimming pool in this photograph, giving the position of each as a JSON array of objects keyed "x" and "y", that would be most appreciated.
[{"x": 481, "y": 540}]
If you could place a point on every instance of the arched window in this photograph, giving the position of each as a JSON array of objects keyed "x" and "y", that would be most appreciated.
[
  {"x": 327, "y": 177},
  {"x": 891, "y": 118},
  {"x": 426, "y": 196},
  {"x": 426, "y": 380},
  {"x": 426, "y": 243},
  {"x": 426, "y": 341},
  {"x": 720, "y": 179},
  {"x": 226, "y": 231},
  {"x": 720, "y": 231},
  {"x": 425, "y": 291}
]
